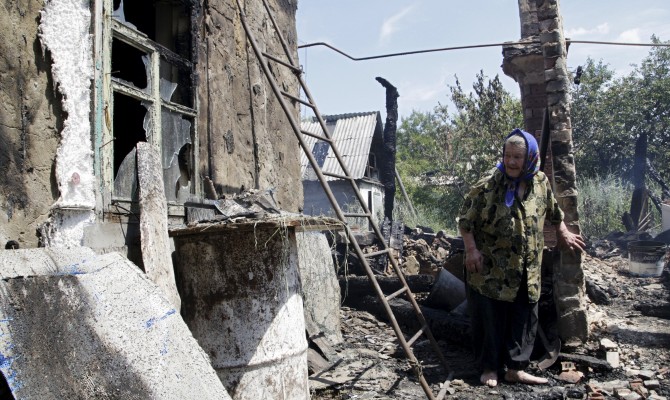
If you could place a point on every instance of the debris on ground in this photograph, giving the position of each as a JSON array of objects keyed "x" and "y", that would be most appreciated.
[{"x": 626, "y": 357}]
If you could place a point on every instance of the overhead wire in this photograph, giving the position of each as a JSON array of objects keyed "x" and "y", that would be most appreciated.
[{"x": 527, "y": 42}]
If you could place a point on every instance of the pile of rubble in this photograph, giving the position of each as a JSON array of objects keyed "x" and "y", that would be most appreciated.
[{"x": 626, "y": 357}]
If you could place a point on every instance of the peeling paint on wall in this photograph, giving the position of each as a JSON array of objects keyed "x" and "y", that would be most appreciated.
[{"x": 65, "y": 32}]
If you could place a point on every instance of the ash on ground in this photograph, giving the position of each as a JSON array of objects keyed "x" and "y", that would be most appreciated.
[{"x": 626, "y": 357}]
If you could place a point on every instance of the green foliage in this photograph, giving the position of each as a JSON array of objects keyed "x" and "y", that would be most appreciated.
[
  {"x": 476, "y": 130},
  {"x": 422, "y": 144},
  {"x": 423, "y": 217},
  {"x": 592, "y": 101},
  {"x": 608, "y": 114},
  {"x": 439, "y": 155},
  {"x": 602, "y": 202}
]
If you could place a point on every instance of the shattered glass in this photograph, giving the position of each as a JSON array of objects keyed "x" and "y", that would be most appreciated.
[
  {"x": 176, "y": 155},
  {"x": 120, "y": 16},
  {"x": 125, "y": 183},
  {"x": 167, "y": 88}
]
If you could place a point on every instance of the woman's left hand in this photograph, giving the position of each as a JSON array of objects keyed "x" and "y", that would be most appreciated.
[{"x": 568, "y": 240}]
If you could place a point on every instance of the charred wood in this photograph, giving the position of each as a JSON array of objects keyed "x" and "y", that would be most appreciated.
[
  {"x": 596, "y": 293},
  {"x": 360, "y": 286},
  {"x": 657, "y": 177},
  {"x": 654, "y": 310},
  {"x": 446, "y": 326},
  {"x": 595, "y": 363},
  {"x": 639, "y": 206}
]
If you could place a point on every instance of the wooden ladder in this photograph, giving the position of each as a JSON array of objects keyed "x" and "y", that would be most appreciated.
[{"x": 325, "y": 136}]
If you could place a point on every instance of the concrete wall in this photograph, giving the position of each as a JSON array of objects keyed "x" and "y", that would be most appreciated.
[
  {"x": 241, "y": 289},
  {"x": 74, "y": 325},
  {"x": 320, "y": 287},
  {"x": 31, "y": 117}
]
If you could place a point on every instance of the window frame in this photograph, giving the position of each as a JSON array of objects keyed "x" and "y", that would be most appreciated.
[{"x": 108, "y": 30}]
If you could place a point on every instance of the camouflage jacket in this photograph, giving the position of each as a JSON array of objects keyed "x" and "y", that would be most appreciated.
[{"x": 510, "y": 239}]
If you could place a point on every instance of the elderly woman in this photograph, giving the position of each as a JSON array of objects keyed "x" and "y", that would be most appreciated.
[{"x": 501, "y": 222}]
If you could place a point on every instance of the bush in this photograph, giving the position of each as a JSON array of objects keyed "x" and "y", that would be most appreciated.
[
  {"x": 436, "y": 207},
  {"x": 602, "y": 202}
]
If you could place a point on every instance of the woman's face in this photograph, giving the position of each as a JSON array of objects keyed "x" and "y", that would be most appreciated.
[{"x": 515, "y": 156}]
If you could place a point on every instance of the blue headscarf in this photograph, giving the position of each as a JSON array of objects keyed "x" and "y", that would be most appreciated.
[{"x": 532, "y": 164}]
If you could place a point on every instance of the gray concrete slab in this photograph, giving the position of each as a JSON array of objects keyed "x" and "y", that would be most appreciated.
[{"x": 80, "y": 326}]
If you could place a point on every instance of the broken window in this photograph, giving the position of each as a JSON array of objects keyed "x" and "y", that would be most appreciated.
[
  {"x": 152, "y": 96},
  {"x": 371, "y": 171}
]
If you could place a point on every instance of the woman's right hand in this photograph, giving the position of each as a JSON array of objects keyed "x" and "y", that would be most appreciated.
[
  {"x": 473, "y": 260},
  {"x": 473, "y": 257}
]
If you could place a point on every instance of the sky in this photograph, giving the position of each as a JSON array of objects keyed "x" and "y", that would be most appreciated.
[{"x": 364, "y": 28}]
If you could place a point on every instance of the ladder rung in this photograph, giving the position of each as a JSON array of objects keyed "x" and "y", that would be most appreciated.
[
  {"x": 338, "y": 176},
  {"x": 396, "y": 293},
  {"x": 357, "y": 215},
  {"x": 284, "y": 63},
  {"x": 416, "y": 336},
  {"x": 298, "y": 99},
  {"x": 377, "y": 253},
  {"x": 316, "y": 135}
]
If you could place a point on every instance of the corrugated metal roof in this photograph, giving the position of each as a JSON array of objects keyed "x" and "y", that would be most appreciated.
[{"x": 352, "y": 134}]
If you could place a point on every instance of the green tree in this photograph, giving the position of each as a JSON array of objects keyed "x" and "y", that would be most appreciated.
[
  {"x": 592, "y": 100},
  {"x": 422, "y": 144},
  {"x": 476, "y": 130},
  {"x": 608, "y": 114},
  {"x": 647, "y": 91},
  {"x": 440, "y": 154},
  {"x": 421, "y": 149}
]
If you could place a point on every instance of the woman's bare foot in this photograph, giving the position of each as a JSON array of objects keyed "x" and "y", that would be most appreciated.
[
  {"x": 513, "y": 375},
  {"x": 489, "y": 378}
]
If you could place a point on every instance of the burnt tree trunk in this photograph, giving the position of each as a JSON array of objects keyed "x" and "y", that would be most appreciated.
[
  {"x": 639, "y": 203},
  {"x": 387, "y": 169}
]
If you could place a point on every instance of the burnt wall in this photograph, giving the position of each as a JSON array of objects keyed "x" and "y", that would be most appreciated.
[
  {"x": 246, "y": 141},
  {"x": 30, "y": 119}
]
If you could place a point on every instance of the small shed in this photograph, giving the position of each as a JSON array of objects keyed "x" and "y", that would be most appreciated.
[{"x": 360, "y": 140}]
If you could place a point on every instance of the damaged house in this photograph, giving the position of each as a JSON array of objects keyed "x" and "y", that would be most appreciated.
[
  {"x": 122, "y": 118},
  {"x": 360, "y": 141},
  {"x": 87, "y": 81}
]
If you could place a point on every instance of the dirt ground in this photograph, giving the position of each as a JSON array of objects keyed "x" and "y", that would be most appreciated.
[{"x": 634, "y": 326}]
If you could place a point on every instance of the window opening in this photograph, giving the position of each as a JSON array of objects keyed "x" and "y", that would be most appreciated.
[
  {"x": 130, "y": 65},
  {"x": 152, "y": 44},
  {"x": 320, "y": 151},
  {"x": 129, "y": 128},
  {"x": 371, "y": 171},
  {"x": 129, "y": 115}
]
